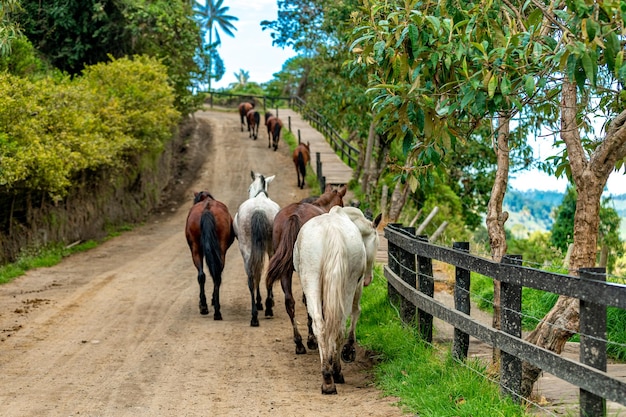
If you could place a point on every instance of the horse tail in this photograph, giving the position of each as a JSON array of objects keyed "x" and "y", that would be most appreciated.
[
  {"x": 301, "y": 164},
  {"x": 257, "y": 118},
  {"x": 333, "y": 279},
  {"x": 261, "y": 240},
  {"x": 210, "y": 244},
  {"x": 277, "y": 127},
  {"x": 281, "y": 263}
]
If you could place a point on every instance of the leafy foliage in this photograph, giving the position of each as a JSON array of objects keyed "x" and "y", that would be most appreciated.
[{"x": 50, "y": 131}]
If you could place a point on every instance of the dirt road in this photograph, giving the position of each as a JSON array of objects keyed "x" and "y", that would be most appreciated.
[{"x": 116, "y": 331}]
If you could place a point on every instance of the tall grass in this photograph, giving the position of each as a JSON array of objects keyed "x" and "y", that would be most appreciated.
[{"x": 427, "y": 380}]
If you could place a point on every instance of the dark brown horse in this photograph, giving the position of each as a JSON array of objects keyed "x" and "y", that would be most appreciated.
[
  {"x": 301, "y": 158},
  {"x": 274, "y": 125},
  {"x": 209, "y": 232},
  {"x": 244, "y": 108},
  {"x": 254, "y": 119},
  {"x": 287, "y": 224}
]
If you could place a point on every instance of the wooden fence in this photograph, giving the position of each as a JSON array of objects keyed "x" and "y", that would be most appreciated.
[
  {"x": 410, "y": 278},
  {"x": 341, "y": 147}
]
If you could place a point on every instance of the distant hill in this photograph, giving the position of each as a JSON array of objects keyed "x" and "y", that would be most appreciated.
[{"x": 534, "y": 210}]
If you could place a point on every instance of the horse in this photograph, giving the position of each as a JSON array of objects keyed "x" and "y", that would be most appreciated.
[
  {"x": 209, "y": 232},
  {"x": 253, "y": 227},
  {"x": 334, "y": 256},
  {"x": 274, "y": 125},
  {"x": 301, "y": 157},
  {"x": 244, "y": 108},
  {"x": 254, "y": 119},
  {"x": 287, "y": 224}
]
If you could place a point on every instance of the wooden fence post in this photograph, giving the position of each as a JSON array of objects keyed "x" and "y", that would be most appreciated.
[
  {"x": 426, "y": 285},
  {"x": 408, "y": 274},
  {"x": 289, "y": 121},
  {"x": 592, "y": 343},
  {"x": 462, "y": 303},
  {"x": 392, "y": 261},
  {"x": 511, "y": 323},
  {"x": 318, "y": 169}
]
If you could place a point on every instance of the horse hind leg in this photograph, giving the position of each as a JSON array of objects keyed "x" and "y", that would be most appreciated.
[
  {"x": 290, "y": 306},
  {"x": 215, "y": 300},
  {"x": 204, "y": 308},
  {"x": 311, "y": 341}
]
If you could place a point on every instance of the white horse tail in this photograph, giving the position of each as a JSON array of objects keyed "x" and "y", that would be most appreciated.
[
  {"x": 261, "y": 239},
  {"x": 333, "y": 279}
]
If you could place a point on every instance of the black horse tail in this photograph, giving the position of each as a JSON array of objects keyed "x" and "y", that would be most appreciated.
[
  {"x": 277, "y": 128},
  {"x": 257, "y": 118},
  {"x": 281, "y": 264},
  {"x": 301, "y": 165},
  {"x": 210, "y": 244},
  {"x": 261, "y": 241}
]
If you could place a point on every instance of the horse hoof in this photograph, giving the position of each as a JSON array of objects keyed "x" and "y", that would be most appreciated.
[
  {"x": 254, "y": 322},
  {"x": 300, "y": 350},
  {"x": 348, "y": 354},
  {"x": 269, "y": 313},
  {"x": 339, "y": 379},
  {"x": 312, "y": 344},
  {"x": 329, "y": 390},
  {"x": 204, "y": 311},
  {"x": 217, "y": 316}
]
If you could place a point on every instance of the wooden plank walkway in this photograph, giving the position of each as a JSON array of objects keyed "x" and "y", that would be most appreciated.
[{"x": 334, "y": 169}]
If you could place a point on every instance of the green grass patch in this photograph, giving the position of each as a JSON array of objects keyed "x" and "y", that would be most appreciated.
[
  {"x": 427, "y": 380},
  {"x": 40, "y": 258}
]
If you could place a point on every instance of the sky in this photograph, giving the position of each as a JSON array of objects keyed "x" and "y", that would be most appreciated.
[{"x": 251, "y": 50}]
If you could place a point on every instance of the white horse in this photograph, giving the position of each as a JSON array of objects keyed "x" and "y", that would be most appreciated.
[
  {"x": 334, "y": 255},
  {"x": 253, "y": 224}
]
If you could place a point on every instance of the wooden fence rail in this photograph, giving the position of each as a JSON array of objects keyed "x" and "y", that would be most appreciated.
[{"x": 410, "y": 278}]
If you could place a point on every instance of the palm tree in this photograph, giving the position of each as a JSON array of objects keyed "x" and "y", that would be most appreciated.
[
  {"x": 8, "y": 29},
  {"x": 242, "y": 77},
  {"x": 212, "y": 15}
]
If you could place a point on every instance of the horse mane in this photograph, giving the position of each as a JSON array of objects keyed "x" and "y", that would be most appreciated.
[{"x": 201, "y": 196}]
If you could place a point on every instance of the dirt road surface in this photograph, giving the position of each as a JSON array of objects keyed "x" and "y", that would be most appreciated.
[{"x": 116, "y": 331}]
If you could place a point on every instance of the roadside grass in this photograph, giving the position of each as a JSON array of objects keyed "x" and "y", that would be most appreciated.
[
  {"x": 427, "y": 381},
  {"x": 50, "y": 255}
]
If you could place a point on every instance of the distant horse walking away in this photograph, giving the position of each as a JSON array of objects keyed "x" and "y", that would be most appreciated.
[
  {"x": 274, "y": 125},
  {"x": 244, "y": 108},
  {"x": 254, "y": 119},
  {"x": 334, "y": 256},
  {"x": 209, "y": 232},
  {"x": 301, "y": 158},
  {"x": 253, "y": 227},
  {"x": 287, "y": 224}
]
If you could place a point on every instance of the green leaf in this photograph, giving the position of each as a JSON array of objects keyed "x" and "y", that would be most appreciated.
[
  {"x": 588, "y": 66},
  {"x": 505, "y": 85},
  {"x": 529, "y": 86},
  {"x": 491, "y": 87}
]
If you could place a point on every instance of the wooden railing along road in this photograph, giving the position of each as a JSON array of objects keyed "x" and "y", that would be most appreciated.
[{"x": 410, "y": 277}]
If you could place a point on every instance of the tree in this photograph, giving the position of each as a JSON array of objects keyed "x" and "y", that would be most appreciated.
[
  {"x": 212, "y": 16},
  {"x": 242, "y": 78},
  {"x": 440, "y": 70}
]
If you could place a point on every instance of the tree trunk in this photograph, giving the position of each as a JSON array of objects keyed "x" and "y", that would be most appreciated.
[
  {"x": 367, "y": 169},
  {"x": 496, "y": 217},
  {"x": 398, "y": 199},
  {"x": 589, "y": 176}
]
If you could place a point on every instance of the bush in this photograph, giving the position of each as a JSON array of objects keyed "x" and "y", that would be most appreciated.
[{"x": 52, "y": 130}]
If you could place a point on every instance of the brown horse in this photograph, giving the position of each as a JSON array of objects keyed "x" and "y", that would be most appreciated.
[
  {"x": 301, "y": 158},
  {"x": 209, "y": 232},
  {"x": 287, "y": 224},
  {"x": 254, "y": 119},
  {"x": 244, "y": 108},
  {"x": 274, "y": 125}
]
